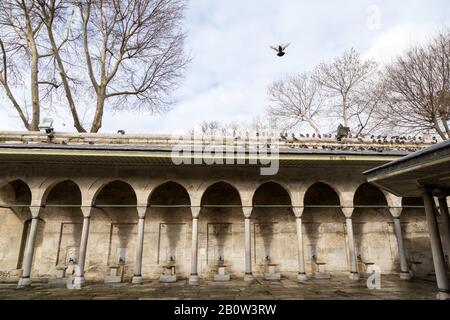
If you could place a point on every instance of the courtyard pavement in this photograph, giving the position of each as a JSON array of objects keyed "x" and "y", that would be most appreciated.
[{"x": 338, "y": 287}]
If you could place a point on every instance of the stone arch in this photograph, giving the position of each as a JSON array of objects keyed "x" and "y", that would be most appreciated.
[
  {"x": 8, "y": 181},
  {"x": 215, "y": 187},
  {"x": 64, "y": 222},
  {"x": 207, "y": 187},
  {"x": 156, "y": 188},
  {"x": 416, "y": 237},
  {"x": 15, "y": 198},
  {"x": 324, "y": 228},
  {"x": 320, "y": 187},
  {"x": 99, "y": 186},
  {"x": 17, "y": 192},
  {"x": 222, "y": 227},
  {"x": 329, "y": 187},
  {"x": 287, "y": 199},
  {"x": 170, "y": 211},
  {"x": 274, "y": 228},
  {"x": 51, "y": 189},
  {"x": 373, "y": 229},
  {"x": 278, "y": 184},
  {"x": 112, "y": 239},
  {"x": 369, "y": 195},
  {"x": 48, "y": 185}
]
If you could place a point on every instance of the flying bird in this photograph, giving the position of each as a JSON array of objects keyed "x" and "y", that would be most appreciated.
[{"x": 280, "y": 49}]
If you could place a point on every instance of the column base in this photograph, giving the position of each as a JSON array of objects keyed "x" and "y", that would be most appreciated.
[
  {"x": 137, "y": 280},
  {"x": 248, "y": 277},
  {"x": 57, "y": 282},
  {"x": 168, "y": 278},
  {"x": 405, "y": 276},
  {"x": 76, "y": 283},
  {"x": 301, "y": 277},
  {"x": 79, "y": 280},
  {"x": 272, "y": 276},
  {"x": 443, "y": 295},
  {"x": 24, "y": 282},
  {"x": 193, "y": 279},
  {"x": 354, "y": 276},
  {"x": 322, "y": 275},
  {"x": 113, "y": 279},
  {"x": 221, "y": 277}
]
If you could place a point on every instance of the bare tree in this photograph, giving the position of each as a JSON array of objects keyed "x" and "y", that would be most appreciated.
[
  {"x": 297, "y": 99},
  {"x": 265, "y": 126},
  {"x": 210, "y": 127},
  {"x": 132, "y": 51},
  {"x": 418, "y": 88},
  {"x": 342, "y": 79},
  {"x": 232, "y": 128},
  {"x": 366, "y": 104},
  {"x": 22, "y": 57},
  {"x": 121, "y": 55}
]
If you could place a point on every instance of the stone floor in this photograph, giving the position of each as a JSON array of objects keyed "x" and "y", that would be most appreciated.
[{"x": 339, "y": 287}]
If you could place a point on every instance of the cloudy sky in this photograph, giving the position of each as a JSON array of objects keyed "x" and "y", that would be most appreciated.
[{"x": 233, "y": 65}]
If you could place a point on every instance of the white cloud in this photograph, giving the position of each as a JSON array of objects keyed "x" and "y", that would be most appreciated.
[{"x": 395, "y": 41}]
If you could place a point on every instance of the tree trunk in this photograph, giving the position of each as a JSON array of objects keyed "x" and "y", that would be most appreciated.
[
  {"x": 438, "y": 129},
  {"x": 445, "y": 123},
  {"x": 35, "y": 91},
  {"x": 344, "y": 110},
  {"x": 62, "y": 72},
  {"x": 34, "y": 55},
  {"x": 98, "y": 117}
]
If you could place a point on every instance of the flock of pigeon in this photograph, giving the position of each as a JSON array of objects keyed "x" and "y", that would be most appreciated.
[
  {"x": 377, "y": 143},
  {"x": 373, "y": 139}
]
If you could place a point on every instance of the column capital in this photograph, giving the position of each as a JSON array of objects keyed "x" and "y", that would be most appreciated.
[
  {"x": 35, "y": 212},
  {"x": 141, "y": 210},
  {"x": 298, "y": 211},
  {"x": 348, "y": 212},
  {"x": 247, "y": 212},
  {"x": 87, "y": 202},
  {"x": 195, "y": 212},
  {"x": 396, "y": 212},
  {"x": 86, "y": 211},
  {"x": 438, "y": 193}
]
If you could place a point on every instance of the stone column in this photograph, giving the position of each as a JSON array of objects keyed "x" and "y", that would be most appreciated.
[
  {"x": 404, "y": 270},
  {"x": 137, "y": 276},
  {"x": 193, "y": 278},
  {"x": 436, "y": 248},
  {"x": 24, "y": 280},
  {"x": 248, "y": 245},
  {"x": 354, "y": 275},
  {"x": 443, "y": 208},
  {"x": 79, "y": 280},
  {"x": 301, "y": 255}
]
